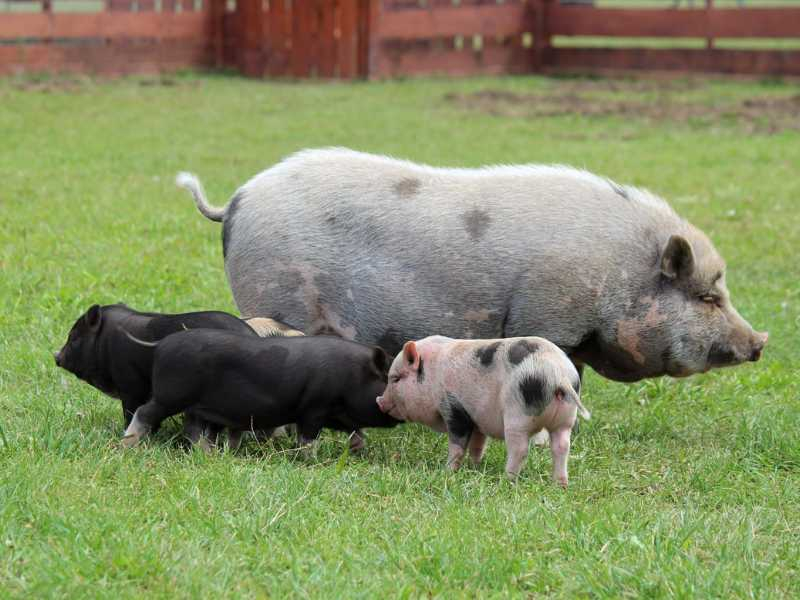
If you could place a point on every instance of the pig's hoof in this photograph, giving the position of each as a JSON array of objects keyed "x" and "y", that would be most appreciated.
[
  {"x": 356, "y": 442},
  {"x": 205, "y": 445},
  {"x": 562, "y": 482},
  {"x": 129, "y": 441}
]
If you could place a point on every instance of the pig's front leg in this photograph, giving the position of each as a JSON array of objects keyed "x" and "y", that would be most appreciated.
[
  {"x": 146, "y": 419},
  {"x": 477, "y": 444},
  {"x": 357, "y": 441},
  {"x": 459, "y": 429},
  {"x": 234, "y": 439},
  {"x": 559, "y": 447},
  {"x": 129, "y": 406}
]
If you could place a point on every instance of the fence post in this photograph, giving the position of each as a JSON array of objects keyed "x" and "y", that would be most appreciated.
[
  {"x": 369, "y": 46},
  {"x": 541, "y": 34},
  {"x": 709, "y": 26},
  {"x": 47, "y": 8},
  {"x": 217, "y": 16},
  {"x": 251, "y": 45}
]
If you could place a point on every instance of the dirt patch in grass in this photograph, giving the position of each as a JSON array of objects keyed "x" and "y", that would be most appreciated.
[{"x": 650, "y": 100}]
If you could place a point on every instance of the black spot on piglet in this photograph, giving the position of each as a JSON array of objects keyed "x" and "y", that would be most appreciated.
[
  {"x": 485, "y": 354},
  {"x": 520, "y": 350},
  {"x": 533, "y": 393},
  {"x": 459, "y": 424}
]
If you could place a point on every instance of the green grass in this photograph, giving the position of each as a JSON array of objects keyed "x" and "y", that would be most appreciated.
[{"x": 685, "y": 488}]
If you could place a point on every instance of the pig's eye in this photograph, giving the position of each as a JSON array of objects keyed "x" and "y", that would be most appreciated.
[
  {"x": 710, "y": 299},
  {"x": 395, "y": 378}
]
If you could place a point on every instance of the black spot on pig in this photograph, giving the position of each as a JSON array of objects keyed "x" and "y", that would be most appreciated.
[
  {"x": 485, "y": 354},
  {"x": 533, "y": 393},
  {"x": 288, "y": 282},
  {"x": 421, "y": 371},
  {"x": 476, "y": 222},
  {"x": 521, "y": 350},
  {"x": 459, "y": 424},
  {"x": 391, "y": 341},
  {"x": 407, "y": 187},
  {"x": 233, "y": 206}
]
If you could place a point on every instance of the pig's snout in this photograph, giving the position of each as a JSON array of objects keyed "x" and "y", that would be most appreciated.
[
  {"x": 383, "y": 404},
  {"x": 759, "y": 342}
]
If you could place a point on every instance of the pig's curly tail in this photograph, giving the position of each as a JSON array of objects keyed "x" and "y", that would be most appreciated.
[{"x": 190, "y": 182}]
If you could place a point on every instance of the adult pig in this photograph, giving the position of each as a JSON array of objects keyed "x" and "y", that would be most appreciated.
[
  {"x": 382, "y": 251},
  {"x": 509, "y": 389}
]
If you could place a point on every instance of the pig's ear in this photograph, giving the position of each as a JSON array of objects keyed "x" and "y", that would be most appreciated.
[
  {"x": 411, "y": 356},
  {"x": 677, "y": 260},
  {"x": 381, "y": 361},
  {"x": 93, "y": 316}
]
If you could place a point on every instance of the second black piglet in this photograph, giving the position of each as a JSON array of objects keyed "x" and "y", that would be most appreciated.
[{"x": 259, "y": 383}]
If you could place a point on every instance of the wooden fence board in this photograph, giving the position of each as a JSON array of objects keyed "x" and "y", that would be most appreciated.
[
  {"x": 610, "y": 22},
  {"x": 302, "y": 16},
  {"x": 186, "y": 26},
  {"x": 106, "y": 59},
  {"x": 326, "y": 42},
  {"x": 755, "y": 22},
  {"x": 277, "y": 38},
  {"x": 753, "y": 62},
  {"x": 347, "y": 45},
  {"x": 445, "y": 22},
  {"x": 428, "y": 58},
  {"x": 735, "y": 22}
]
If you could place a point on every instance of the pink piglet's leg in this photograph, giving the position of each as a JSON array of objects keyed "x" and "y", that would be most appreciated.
[{"x": 559, "y": 447}]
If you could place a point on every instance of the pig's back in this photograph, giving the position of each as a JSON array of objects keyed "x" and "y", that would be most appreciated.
[{"x": 337, "y": 237}]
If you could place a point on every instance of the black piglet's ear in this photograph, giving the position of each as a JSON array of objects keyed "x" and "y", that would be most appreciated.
[
  {"x": 93, "y": 316},
  {"x": 380, "y": 360}
]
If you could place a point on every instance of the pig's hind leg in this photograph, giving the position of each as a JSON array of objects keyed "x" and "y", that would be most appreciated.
[
  {"x": 559, "y": 447},
  {"x": 477, "y": 444}
]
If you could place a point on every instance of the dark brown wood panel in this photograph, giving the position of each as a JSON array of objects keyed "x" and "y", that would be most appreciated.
[
  {"x": 734, "y": 22},
  {"x": 114, "y": 25},
  {"x": 118, "y": 58},
  {"x": 753, "y": 62},
  {"x": 612, "y": 22},
  {"x": 430, "y": 57},
  {"x": 503, "y": 19}
]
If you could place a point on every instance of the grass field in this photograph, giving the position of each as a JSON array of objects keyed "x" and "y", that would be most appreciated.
[{"x": 686, "y": 489}]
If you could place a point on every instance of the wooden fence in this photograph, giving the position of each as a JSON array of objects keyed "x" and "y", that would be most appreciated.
[
  {"x": 384, "y": 38},
  {"x": 115, "y": 40}
]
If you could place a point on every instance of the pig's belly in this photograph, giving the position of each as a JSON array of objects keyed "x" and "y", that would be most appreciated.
[{"x": 488, "y": 416}]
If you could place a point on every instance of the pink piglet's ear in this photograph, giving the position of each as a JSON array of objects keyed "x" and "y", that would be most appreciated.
[{"x": 411, "y": 356}]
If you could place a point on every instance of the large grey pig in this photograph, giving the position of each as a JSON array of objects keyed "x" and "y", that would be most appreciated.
[
  {"x": 382, "y": 251},
  {"x": 508, "y": 389}
]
